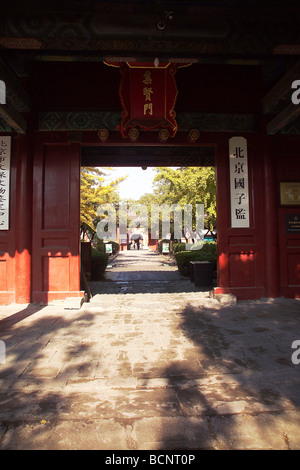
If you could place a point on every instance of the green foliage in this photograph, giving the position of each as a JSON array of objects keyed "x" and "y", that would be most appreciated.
[
  {"x": 177, "y": 247},
  {"x": 95, "y": 190},
  {"x": 207, "y": 253},
  {"x": 99, "y": 263},
  {"x": 188, "y": 185},
  {"x": 100, "y": 245}
]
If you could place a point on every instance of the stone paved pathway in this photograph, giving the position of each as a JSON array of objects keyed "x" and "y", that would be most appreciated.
[
  {"x": 150, "y": 369},
  {"x": 143, "y": 271}
]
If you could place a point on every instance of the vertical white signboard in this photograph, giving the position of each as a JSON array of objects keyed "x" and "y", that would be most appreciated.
[
  {"x": 238, "y": 164},
  {"x": 5, "y": 146}
]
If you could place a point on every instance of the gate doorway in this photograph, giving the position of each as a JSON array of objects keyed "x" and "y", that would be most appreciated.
[
  {"x": 146, "y": 158},
  {"x": 56, "y": 203}
]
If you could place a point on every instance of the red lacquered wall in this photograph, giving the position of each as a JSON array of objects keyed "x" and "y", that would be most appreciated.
[
  {"x": 240, "y": 250},
  {"x": 40, "y": 253},
  {"x": 286, "y": 153},
  {"x": 15, "y": 243},
  {"x": 56, "y": 215}
]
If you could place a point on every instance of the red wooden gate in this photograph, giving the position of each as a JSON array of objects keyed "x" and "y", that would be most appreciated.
[{"x": 56, "y": 219}]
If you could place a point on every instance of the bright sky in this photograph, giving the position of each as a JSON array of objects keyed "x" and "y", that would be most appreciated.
[{"x": 138, "y": 182}]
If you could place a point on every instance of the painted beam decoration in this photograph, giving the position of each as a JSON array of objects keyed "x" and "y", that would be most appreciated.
[
  {"x": 5, "y": 145},
  {"x": 148, "y": 95},
  {"x": 238, "y": 166}
]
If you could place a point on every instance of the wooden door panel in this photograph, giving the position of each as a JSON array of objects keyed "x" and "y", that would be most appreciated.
[{"x": 56, "y": 202}]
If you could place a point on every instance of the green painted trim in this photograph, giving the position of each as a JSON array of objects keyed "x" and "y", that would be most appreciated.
[{"x": 93, "y": 121}]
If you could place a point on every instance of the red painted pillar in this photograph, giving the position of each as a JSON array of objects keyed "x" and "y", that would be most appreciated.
[
  {"x": 223, "y": 214},
  {"x": 23, "y": 220},
  {"x": 272, "y": 285}
]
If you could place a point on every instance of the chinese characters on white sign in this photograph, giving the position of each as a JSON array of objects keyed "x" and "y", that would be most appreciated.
[
  {"x": 4, "y": 181},
  {"x": 238, "y": 161}
]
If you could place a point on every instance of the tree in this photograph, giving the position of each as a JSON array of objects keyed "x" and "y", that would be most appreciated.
[
  {"x": 95, "y": 190},
  {"x": 188, "y": 185}
]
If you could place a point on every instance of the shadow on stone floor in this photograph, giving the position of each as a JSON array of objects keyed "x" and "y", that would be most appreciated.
[{"x": 222, "y": 380}]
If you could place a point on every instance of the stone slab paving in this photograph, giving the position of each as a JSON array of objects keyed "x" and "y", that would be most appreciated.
[{"x": 150, "y": 370}]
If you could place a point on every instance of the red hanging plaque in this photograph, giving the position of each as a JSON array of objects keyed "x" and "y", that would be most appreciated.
[{"x": 148, "y": 95}]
